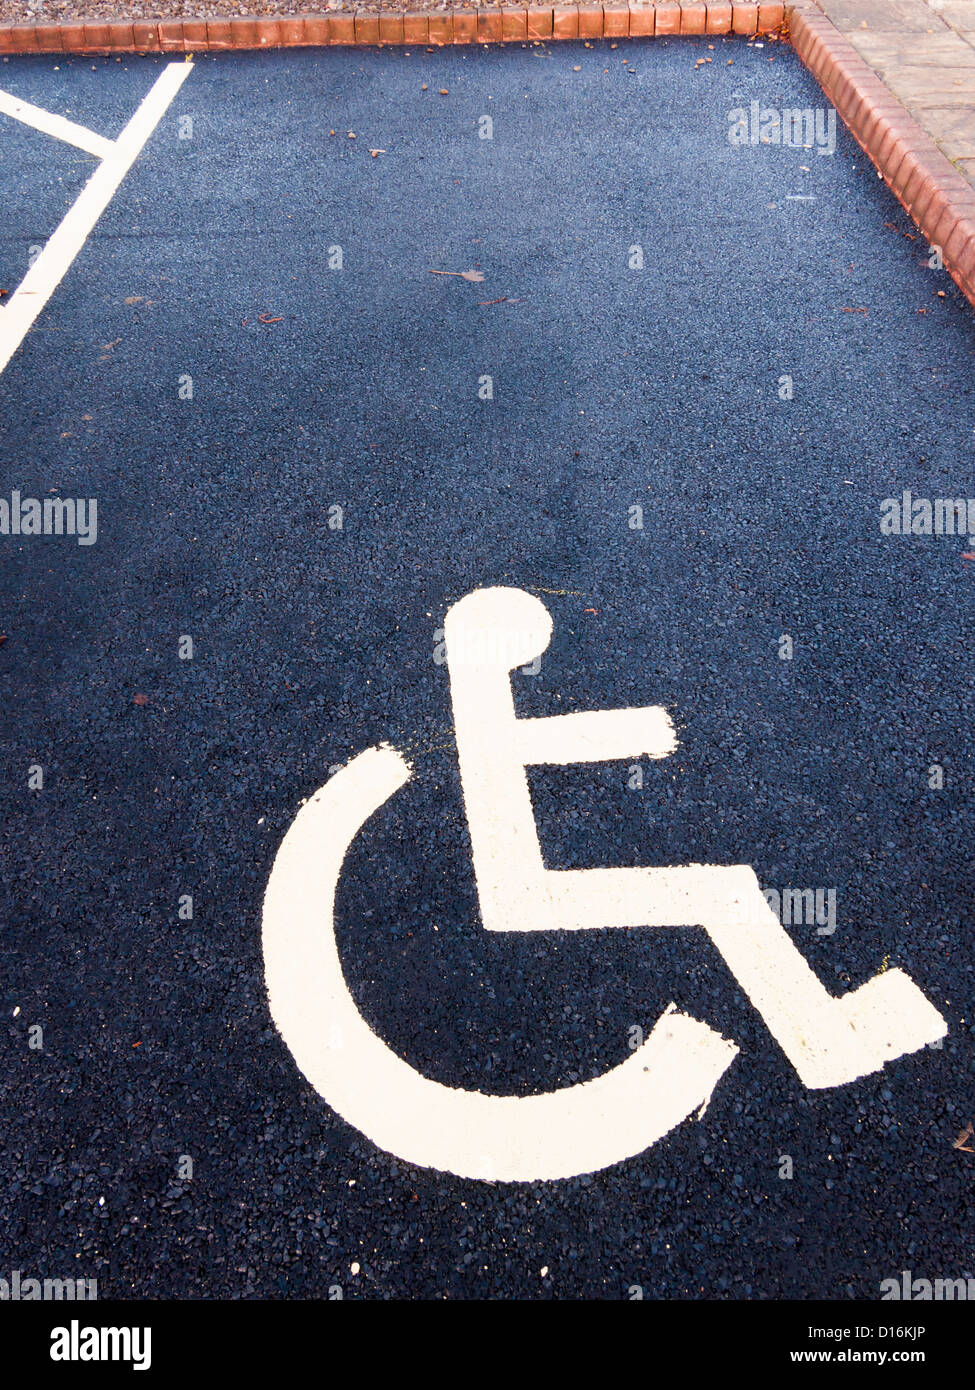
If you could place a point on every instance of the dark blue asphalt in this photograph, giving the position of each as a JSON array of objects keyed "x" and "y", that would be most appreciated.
[{"x": 612, "y": 388}]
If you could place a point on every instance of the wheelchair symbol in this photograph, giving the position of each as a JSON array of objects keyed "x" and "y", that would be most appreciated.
[{"x": 592, "y": 1124}]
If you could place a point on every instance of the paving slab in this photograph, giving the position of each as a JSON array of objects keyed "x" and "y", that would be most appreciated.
[
  {"x": 960, "y": 14},
  {"x": 953, "y": 128},
  {"x": 884, "y": 16},
  {"x": 885, "y": 51}
]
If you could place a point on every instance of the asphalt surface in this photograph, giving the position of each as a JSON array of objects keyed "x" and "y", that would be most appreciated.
[{"x": 612, "y": 387}]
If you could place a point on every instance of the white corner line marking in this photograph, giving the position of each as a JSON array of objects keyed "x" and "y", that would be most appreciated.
[
  {"x": 58, "y": 126},
  {"x": 47, "y": 272}
]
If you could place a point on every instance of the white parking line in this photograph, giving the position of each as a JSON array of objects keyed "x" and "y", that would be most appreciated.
[
  {"x": 58, "y": 126},
  {"x": 52, "y": 264}
]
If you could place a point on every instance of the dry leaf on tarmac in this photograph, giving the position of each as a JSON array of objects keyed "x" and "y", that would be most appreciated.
[
  {"x": 140, "y": 699},
  {"x": 961, "y": 1141},
  {"x": 474, "y": 275}
]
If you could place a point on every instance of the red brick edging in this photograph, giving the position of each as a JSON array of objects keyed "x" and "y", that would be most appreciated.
[
  {"x": 509, "y": 23},
  {"x": 939, "y": 199}
]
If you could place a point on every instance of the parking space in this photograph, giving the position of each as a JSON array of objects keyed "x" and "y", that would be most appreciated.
[{"x": 671, "y": 412}]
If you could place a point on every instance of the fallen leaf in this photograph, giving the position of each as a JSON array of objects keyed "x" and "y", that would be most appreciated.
[
  {"x": 3, "y": 638},
  {"x": 968, "y": 555},
  {"x": 133, "y": 299},
  {"x": 847, "y": 310},
  {"x": 474, "y": 275},
  {"x": 266, "y": 318},
  {"x": 444, "y": 92},
  {"x": 140, "y": 699},
  {"x": 966, "y": 1134}
]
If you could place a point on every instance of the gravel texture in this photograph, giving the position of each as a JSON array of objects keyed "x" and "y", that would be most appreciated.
[{"x": 65, "y": 11}]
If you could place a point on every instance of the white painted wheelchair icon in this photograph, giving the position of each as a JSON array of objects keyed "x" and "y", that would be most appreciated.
[{"x": 593, "y": 1124}]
